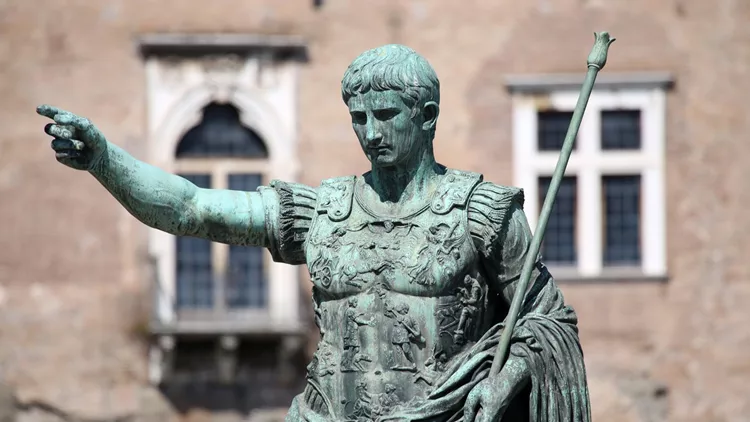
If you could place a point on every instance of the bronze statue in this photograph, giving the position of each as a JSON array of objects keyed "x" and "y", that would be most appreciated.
[{"x": 415, "y": 265}]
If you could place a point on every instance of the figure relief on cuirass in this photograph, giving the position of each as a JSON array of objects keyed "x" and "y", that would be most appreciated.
[
  {"x": 319, "y": 314},
  {"x": 471, "y": 296},
  {"x": 323, "y": 266},
  {"x": 354, "y": 358},
  {"x": 360, "y": 264},
  {"x": 438, "y": 257},
  {"x": 369, "y": 406},
  {"x": 458, "y": 320},
  {"x": 322, "y": 363},
  {"x": 361, "y": 408},
  {"x": 349, "y": 257},
  {"x": 405, "y": 334}
]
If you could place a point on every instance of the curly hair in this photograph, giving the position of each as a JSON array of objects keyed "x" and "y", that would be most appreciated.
[{"x": 392, "y": 67}]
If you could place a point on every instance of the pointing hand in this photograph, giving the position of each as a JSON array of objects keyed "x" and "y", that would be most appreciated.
[{"x": 77, "y": 142}]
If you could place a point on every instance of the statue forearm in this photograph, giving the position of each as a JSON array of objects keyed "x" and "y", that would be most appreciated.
[{"x": 172, "y": 204}]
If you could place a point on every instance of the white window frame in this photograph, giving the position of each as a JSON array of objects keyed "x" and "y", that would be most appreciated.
[{"x": 589, "y": 163}]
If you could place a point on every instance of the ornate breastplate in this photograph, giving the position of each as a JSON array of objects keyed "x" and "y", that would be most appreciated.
[{"x": 395, "y": 298}]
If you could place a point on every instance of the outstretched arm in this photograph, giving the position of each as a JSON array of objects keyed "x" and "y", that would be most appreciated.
[
  {"x": 172, "y": 204},
  {"x": 158, "y": 199}
]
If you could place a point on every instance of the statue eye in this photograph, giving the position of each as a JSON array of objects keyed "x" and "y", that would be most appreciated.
[
  {"x": 386, "y": 114},
  {"x": 359, "y": 117}
]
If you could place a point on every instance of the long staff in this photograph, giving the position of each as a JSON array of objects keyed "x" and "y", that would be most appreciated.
[{"x": 596, "y": 61}]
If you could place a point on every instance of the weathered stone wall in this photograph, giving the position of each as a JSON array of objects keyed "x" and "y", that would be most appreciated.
[{"x": 73, "y": 265}]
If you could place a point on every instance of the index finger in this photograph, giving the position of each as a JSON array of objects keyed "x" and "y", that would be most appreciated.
[
  {"x": 49, "y": 111},
  {"x": 80, "y": 123}
]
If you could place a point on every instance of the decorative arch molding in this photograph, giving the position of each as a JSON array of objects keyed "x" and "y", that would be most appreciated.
[{"x": 256, "y": 113}]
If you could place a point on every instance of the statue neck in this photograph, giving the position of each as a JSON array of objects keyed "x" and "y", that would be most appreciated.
[{"x": 412, "y": 180}]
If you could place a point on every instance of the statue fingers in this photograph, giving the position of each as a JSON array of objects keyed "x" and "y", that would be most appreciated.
[
  {"x": 71, "y": 126},
  {"x": 49, "y": 111},
  {"x": 71, "y": 152},
  {"x": 67, "y": 149},
  {"x": 70, "y": 119},
  {"x": 67, "y": 154},
  {"x": 72, "y": 159},
  {"x": 83, "y": 128},
  {"x": 64, "y": 118},
  {"x": 60, "y": 131},
  {"x": 60, "y": 145}
]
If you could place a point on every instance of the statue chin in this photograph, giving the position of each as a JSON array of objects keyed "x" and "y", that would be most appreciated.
[
  {"x": 382, "y": 161},
  {"x": 386, "y": 159}
]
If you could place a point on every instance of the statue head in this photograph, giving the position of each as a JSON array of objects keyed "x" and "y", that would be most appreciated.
[{"x": 393, "y": 95}]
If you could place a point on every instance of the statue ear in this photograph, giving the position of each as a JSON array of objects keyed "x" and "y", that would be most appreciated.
[{"x": 431, "y": 110}]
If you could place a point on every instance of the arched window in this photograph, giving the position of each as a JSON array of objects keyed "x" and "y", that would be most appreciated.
[{"x": 220, "y": 153}]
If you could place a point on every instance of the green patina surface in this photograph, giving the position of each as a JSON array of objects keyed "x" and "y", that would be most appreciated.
[{"x": 414, "y": 265}]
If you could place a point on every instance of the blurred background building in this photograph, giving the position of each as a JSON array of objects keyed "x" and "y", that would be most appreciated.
[{"x": 103, "y": 319}]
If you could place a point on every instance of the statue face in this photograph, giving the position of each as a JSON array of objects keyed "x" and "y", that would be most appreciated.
[{"x": 384, "y": 126}]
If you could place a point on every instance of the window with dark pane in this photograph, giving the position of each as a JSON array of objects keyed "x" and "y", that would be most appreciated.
[
  {"x": 220, "y": 134},
  {"x": 195, "y": 287},
  {"x": 246, "y": 282},
  {"x": 552, "y": 125},
  {"x": 622, "y": 216},
  {"x": 621, "y": 129},
  {"x": 559, "y": 245}
]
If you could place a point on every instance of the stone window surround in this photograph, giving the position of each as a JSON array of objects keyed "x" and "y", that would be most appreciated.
[
  {"x": 644, "y": 91},
  {"x": 258, "y": 75}
]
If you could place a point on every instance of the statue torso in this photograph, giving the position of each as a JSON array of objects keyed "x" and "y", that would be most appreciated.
[{"x": 395, "y": 298}]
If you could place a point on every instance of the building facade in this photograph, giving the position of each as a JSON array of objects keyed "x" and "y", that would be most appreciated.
[{"x": 102, "y": 318}]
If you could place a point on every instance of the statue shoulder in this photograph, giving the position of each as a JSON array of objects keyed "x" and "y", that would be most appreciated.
[
  {"x": 489, "y": 210},
  {"x": 296, "y": 208},
  {"x": 335, "y": 197},
  {"x": 454, "y": 191}
]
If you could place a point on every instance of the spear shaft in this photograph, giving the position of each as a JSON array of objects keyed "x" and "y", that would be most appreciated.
[{"x": 596, "y": 61}]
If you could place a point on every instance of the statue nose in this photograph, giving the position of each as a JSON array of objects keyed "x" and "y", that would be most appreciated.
[{"x": 374, "y": 137}]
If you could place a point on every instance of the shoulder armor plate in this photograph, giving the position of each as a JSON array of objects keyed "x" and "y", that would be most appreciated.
[
  {"x": 335, "y": 197},
  {"x": 455, "y": 190}
]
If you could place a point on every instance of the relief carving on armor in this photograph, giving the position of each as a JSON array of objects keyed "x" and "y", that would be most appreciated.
[
  {"x": 457, "y": 322},
  {"x": 341, "y": 263},
  {"x": 389, "y": 398},
  {"x": 322, "y": 363},
  {"x": 353, "y": 358},
  {"x": 443, "y": 348},
  {"x": 336, "y": 197},
  {"x": 361, "y": 408},
  {"x": 357, "y": 262},
  {"x": 470, "y": 296},
  {"x": 405, "y": 334},
  {"x": 444, "y": 199},
  {"x": 321, "y": 268},
  {"x": 319, "y": 316},
  {"x": 368, "y": 406},
  {"x": 439, "y": 258}
]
